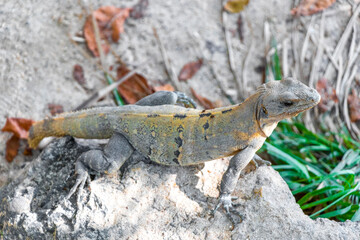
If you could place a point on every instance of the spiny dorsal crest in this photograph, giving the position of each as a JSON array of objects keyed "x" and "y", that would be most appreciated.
[{"x": 288, "y": 81}]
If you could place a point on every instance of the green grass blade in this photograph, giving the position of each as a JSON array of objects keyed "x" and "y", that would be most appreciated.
[
  {"x": 119, "y": 101},
  {"x": 336, "y": 212},
  {"x": 341, "y": 198},
  {"x": 356, "y": 216},
  {"x": 315, "y": 148},
  {"x": 324, "y": 200},
  {"x": 276, "y": 67},
  {"x": 316, "y": 193},
  {"x": 272, "y": 150},
  {"x": 307, "y": 187}
]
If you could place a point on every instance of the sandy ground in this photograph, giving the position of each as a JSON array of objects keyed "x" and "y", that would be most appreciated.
[{"x": 37, "y": 55}]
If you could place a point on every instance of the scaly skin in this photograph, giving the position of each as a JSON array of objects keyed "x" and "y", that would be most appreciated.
[{"x": 174, "y": 135}]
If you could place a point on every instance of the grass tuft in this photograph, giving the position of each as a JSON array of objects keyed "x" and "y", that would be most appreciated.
[{"x": 322, "y": 173}]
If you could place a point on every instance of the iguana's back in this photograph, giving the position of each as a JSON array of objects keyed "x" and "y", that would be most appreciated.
[{"x": 167, "y": 134}]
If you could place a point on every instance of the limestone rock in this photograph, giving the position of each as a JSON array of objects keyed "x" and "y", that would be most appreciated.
[{"x": 150, "y": 201}]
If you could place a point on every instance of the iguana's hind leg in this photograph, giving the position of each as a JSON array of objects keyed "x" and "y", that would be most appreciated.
[{"x": 108, "y": 160}]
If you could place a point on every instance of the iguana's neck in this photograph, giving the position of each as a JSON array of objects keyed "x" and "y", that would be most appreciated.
[{"x": 239, "y": 123}]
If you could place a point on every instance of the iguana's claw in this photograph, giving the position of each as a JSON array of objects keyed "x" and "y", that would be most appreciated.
[
  {"x": 259, "y": 161},
  {"x": 185, "y": 100},
  {"x": 81, "y": 179},
  {"x": 226, "y": 201}
]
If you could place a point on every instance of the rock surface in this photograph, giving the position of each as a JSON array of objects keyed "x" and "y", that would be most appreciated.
[{"x": 151, "y": 201}]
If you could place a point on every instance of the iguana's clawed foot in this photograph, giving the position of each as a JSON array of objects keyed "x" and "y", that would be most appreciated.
[
  {"x": 185, "y": 100},
  {"x": 81, "y": 179},
  {"x": 226, "y": 201},
  {"x": 259, "y": 161}
]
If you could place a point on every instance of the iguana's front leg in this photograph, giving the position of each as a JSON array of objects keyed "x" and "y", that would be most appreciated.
[
  {"x": 230, "y": 178},
  {"x": 118, "y": 149}
]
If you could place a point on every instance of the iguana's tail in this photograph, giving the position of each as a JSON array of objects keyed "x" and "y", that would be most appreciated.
[
  {"x": 79, "y": 124},
  {"x": 42, "y": 129}
]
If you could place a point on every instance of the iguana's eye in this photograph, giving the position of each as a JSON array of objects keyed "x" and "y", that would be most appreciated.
[
  {"x": 264, "y": 110},
  {"x": 287, "y": 103}
]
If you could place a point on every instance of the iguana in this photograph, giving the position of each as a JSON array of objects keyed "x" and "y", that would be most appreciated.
[{"x": 175, "y": 135}]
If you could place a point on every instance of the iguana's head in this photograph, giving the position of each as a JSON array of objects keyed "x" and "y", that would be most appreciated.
[{"x": 283, "y": 99}]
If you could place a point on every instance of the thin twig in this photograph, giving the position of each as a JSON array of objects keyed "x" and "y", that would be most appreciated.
[
  {"x": 103, "y": 92},
  {"x": 246, "y": 60},
  {"x": 294, "y": 41},
  {"x": 85, "y": 53},
  {"x": 352, "y": 56},
  {"x": 318, "y": 56},
  {"x": 98, "y": 41},
  {"x": 268, "y": 51},
  {"x": 315, "y": 69},
  {"x": 327, "y": 50},
  {"x": 169, "y": 69},
  {"x": 119, "y": 101},
  {"x": 230, "y": 54},
  {"x": 285, "y": 64},
  {"x": 306, "y": 43},
  {"x": 345, "y": 103},
  {"x": 208, "y": 62},
  {"x": 245, "y": 64},
  {"x": 344, "y": 37}
]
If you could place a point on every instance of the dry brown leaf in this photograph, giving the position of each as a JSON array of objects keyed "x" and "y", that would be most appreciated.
[
  {"x": 354, "y": 106},
  {"x": 134, "y": 88},
  {"x": 327, "y": 93},
  {"x": 206, "y": 103},
  {"x": 20, "y": 128},
  {"x": 12, "y": 148},
  {"x": 110, "y": 20},
  {"x": 165, "y": 87},
  {"x": 55, "y": 109},
  {"x": 189, "y": 70},
  {"x": 309, "y": 7},
  {"x": 78, "y": 74},
  {"x": 139, "y": 9},
  {"x": 235, "y": 6}
]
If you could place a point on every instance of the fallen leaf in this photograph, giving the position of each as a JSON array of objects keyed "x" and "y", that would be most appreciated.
[
  {"x": 110, "y": 20},
  {"x": 240, "y": 28},
  {"x": 12, "y": 148},
  {"x": 134, "y": 88},
  {"x": 206, "y": 103},
  {"x": 235, "y": 6},
  {"x": 189, "y": 70},
  {"x": 166, "y": 87},
  {"x": 78, "y": 74},
  {"x": 354, "y": 106},
  {"x": 139, "y": 9},
  {"x": 327, "y": 93},
  {"x": 309, "y": 7},
  {"x": 20, "y": 128},
  {"x": 55, "y": 109}
]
